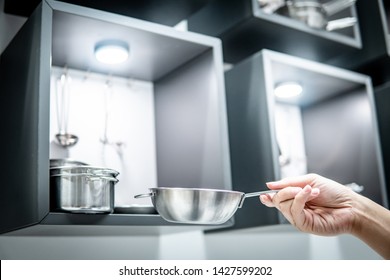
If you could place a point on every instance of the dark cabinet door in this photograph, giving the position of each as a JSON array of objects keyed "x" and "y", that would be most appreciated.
[
  {"x": 251, "y": 143},
  {"x": 373, "y": 58},
  {"x": 382, "y": 98},
  {"x": 24, "y": 113}
]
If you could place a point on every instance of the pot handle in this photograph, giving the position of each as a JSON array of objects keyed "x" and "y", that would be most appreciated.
[
  {"x": 335, "y": 6},
  {"x": 340, "y": 23},
  {"x": 144, "y": 195}
]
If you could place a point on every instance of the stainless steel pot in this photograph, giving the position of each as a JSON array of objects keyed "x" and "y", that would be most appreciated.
[
  {"x": 316, "y": 15},
  {"x": 82, "y": 193},
  {"x": 197, "y": 206}
]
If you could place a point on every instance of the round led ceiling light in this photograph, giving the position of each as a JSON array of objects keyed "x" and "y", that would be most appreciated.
[
  {"x": 112, "y": 51},
  {"x": 288, "y": 89}
]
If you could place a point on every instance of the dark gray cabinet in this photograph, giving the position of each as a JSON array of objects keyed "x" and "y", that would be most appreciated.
[
  {"x": 330, "y": 129},
  {"x": 373, "y": 59},
  {"x": 168, "y": 12},
  {"x": 245, "y": 29},
  {"x": 382, "y": 98},
  {"x": 59, "y": 34}
]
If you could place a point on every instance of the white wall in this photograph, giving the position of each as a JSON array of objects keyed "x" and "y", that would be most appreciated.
[
  {"x": 278, "y": 242},
  {"x": 289, "y": 134}
]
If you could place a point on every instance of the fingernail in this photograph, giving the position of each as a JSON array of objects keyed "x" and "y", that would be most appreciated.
[
  {"x": 307, "y": 189},
  {"x": 315, "y": 191},
  {"x": 270, "y": 183}
]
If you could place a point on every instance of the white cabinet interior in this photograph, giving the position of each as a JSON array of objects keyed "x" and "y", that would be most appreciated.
[{"x": 113, "y": 118}]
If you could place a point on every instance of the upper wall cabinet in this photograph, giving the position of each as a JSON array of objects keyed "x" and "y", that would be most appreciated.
[
  {"x": 289, "y": 116},
  {"x": 316, "y": 30},
  {"x": 159, "y": 118},
  {"x": 374, "y": 58},
  {"x": 168, "y": 12}
]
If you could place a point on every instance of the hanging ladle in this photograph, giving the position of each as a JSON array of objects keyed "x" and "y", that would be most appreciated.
[{"x": 63, "y": 137}]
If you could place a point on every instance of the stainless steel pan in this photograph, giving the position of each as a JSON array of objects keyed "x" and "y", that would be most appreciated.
[{"x": 197, "y": 206}]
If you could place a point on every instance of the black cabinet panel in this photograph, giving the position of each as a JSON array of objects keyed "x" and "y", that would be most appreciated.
[
  {"x": 250, "y": 143},
  {"x": 24, "y": 112},
  {"x": 168, "y": 12},
  {"x": 373, "y": 59},
  {"x": 382, "y": 97}
]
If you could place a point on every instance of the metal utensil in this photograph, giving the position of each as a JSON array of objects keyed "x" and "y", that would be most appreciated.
[
  {"x": 335, "y": 6},
  {"x": 316, "y": 15},
  {"x": 270, "y": 6},
  {"x": 63, "y": 137},
  {"x": 197, "y": 206}
]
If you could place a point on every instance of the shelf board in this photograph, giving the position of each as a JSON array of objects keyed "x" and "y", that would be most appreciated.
[{"x": 67, "y": 224}]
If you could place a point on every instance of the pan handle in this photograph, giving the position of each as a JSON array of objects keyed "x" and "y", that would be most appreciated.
[
  {"x": 259, "y": 193},
  {"x": 144, "y": 195},
  {"x": 254, "y": 194}
]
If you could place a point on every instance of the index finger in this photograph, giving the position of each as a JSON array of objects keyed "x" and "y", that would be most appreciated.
[{"x": 298, "y": 181}]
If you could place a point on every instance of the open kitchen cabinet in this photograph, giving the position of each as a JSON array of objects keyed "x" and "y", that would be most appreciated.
[
  {"x": 247, "y": 26},
  {"x": 329, "y": 129},
  {"x": 374, "y": 58},
  {"x": 159, "y": 118}
]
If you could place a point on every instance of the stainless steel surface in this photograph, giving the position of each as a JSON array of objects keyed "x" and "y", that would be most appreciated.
[
  {"x": 340, "y": 23},
  {"x": 87, "y": 169},
  {"x": 335, "y": 6},
  {"x": 56, "y": 162},
  {"x": 270, "y": 6},
  {"x": 82, "y": 193},
  {"x": 63, "y": 137},
  {"x": 66, "y": 139},
  {"x": 316, "y": 15},
  {"x": 197, "y": 206}
]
